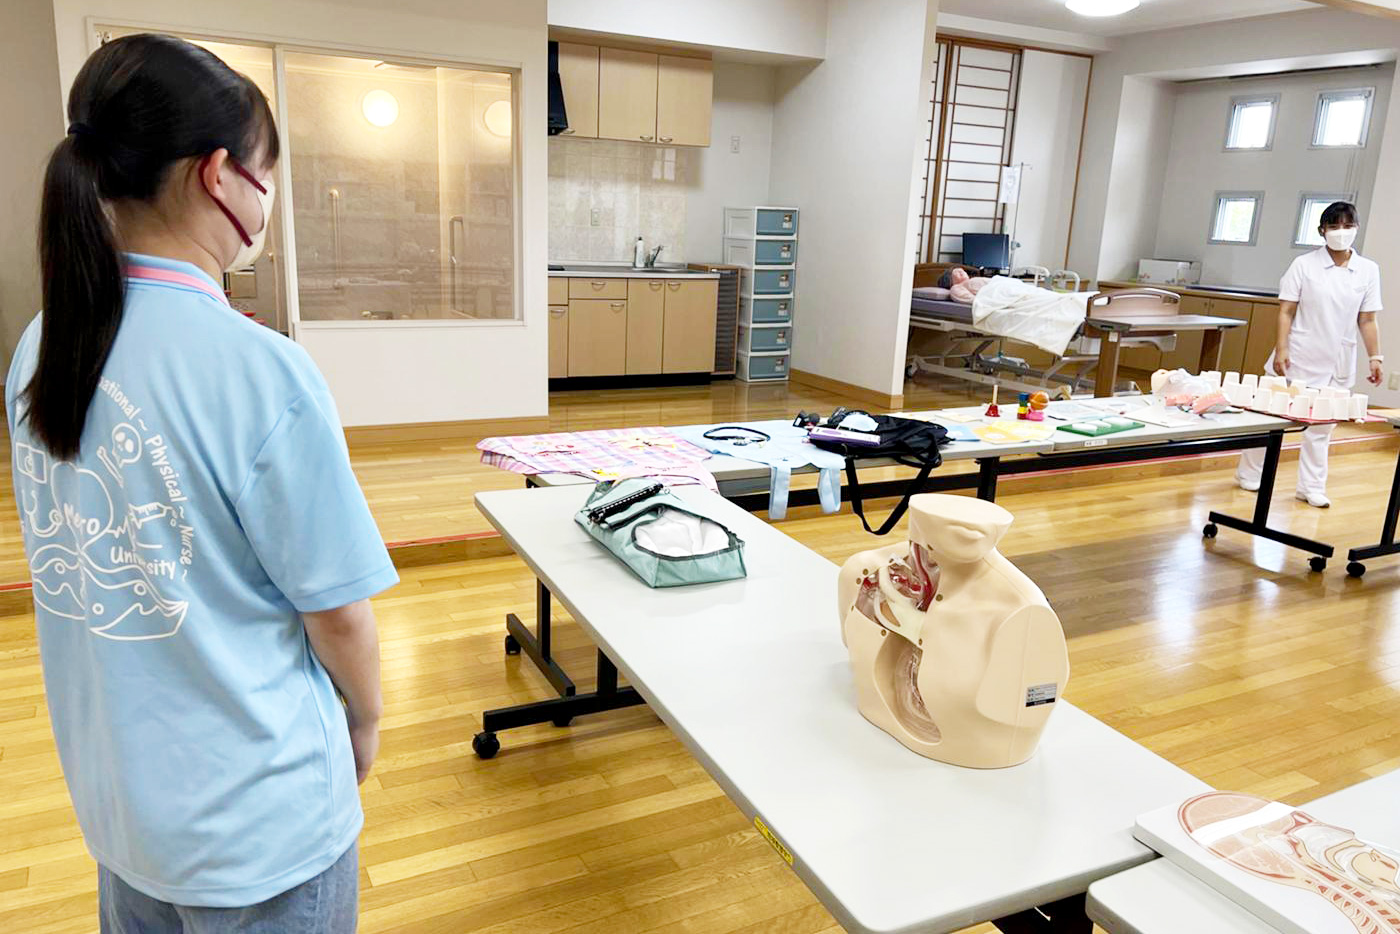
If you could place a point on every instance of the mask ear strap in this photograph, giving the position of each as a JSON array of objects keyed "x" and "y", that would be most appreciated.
[{"x": 237, "y": 225}]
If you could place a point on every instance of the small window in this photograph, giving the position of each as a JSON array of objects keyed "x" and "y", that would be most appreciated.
[
  {"x": 1310, "y": 210},
  {"x": 1251, "y": 123},
  {"x": 1236, "y": 217},
  {"x": 1343, "y": 117}
]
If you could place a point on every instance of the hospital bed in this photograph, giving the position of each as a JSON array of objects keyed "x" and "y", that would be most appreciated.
[{"x": 1115, "y": 319}]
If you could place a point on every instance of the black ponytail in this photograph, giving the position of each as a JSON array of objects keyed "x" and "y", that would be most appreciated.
[{"x": 140, "y": 104}]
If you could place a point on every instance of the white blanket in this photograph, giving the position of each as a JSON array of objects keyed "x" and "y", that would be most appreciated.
[{"x": 1018, "y": 310}]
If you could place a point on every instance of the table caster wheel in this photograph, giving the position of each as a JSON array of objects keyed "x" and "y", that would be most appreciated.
[
  {"x": 512, "y": 646},
  {"x": 563, "y": 721},
  {"x": 1317, "y": 564},
  {"x": 485, "y": 745},
  {"x": 1211, "y": 530},
  {"x": 911, "y": 371},
  {"x": 1356, "y": 569}
]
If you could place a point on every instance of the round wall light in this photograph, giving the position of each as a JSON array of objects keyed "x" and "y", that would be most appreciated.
[
  {"x": 380, "y": 108},
  {"x": 497, "y": 118},
  {"x": 1101, "y": 7}
]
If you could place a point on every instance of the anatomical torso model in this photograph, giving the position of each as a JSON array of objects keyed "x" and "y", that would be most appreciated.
[{"x": 954, "y": 651}]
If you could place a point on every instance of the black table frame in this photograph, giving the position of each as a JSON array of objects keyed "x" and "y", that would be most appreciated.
[
  {"x": 1387, "y": 545},
  {"x": 1066, "y": 916}
]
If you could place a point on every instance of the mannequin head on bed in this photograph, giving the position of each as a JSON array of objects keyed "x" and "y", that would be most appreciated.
[{"x": 962, "y": 286}]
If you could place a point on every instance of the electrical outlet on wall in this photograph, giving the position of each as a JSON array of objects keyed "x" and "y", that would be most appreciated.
[
  {"x": 1394, "y": 382},
  {"x": 595, "y": 217},
  {"x": 733, "y": 144}
]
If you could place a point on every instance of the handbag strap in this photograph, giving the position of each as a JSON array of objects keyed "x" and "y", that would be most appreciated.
[{"x": 915, "y": 486}]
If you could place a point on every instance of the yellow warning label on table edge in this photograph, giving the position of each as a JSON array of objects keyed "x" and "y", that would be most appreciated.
[{"x": 772, "y": 839}]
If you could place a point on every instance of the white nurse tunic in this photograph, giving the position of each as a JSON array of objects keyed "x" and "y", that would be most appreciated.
[{"x": 1321, "y": 345}]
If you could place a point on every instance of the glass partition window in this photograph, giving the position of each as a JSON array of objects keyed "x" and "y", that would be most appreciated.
[
  {"x": 1310, "y": 216},
  {"x": 1251, "y": 123},
  {"x": 403, "y": 189},
  {"x": 1343, "y": 118},
  {"x": 1236, "y": 217}
]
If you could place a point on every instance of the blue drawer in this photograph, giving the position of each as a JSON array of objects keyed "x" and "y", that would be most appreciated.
[
  {"x": 772, "y": 221},
  {"x": 773, "y": 281},
  {"x": 769, "y": 366},
  {"x": 774, "y": 252},
  {"x": 765, "y": 340},
  {"x": 770, "y": 310}
]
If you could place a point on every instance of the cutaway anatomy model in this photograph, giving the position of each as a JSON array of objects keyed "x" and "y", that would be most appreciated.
[
  {"x": 955, "y": 652},
  {"x": 1279, "y": 844}
]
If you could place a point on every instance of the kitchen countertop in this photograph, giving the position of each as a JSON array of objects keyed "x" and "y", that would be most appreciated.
[
  {"x": 1240, "y": 293},
  {"x": 625, "y": 271}
]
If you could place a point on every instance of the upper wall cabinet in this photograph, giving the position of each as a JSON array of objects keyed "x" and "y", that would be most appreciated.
[
  {"x": 684, "y": 99},
  {"x": 626, "y": 95},
  {"x": 578, "y": 75},
  {"x": 643, "y": 96}
]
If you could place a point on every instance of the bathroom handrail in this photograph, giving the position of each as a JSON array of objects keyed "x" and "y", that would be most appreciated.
[
  {"x": 334, "y": 195},
  {"x": 452, "y": 257}
]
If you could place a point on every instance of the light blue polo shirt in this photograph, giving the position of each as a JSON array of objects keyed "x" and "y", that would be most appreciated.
[{"x": 204, "y": 746}]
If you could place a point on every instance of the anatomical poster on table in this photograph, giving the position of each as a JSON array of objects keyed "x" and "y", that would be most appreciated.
[{"x": 1297, "y": 873}]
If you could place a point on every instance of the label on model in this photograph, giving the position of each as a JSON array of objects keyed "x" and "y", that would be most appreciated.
[{"x": 1040, "y": 694}]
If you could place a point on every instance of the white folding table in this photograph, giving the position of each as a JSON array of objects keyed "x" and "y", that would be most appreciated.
[
  {"x": 752, "y": 677},
  {"x": 1162, "y": 898}
]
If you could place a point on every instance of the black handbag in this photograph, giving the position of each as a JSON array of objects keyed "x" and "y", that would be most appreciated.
[{"x": 904, "y": 440}]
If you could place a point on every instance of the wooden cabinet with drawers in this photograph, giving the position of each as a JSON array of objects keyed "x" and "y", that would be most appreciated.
[
  {"x": 1242, "y": 349},
  {"x": 631, "y": 326},
  {"x": 636, "y": 94},
  {"x": 578, "y": 78}
]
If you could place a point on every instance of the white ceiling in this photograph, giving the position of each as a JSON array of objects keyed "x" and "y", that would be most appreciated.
[{"x": 1152, "y": 14}]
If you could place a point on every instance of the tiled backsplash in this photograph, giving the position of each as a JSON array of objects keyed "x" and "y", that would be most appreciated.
[{"x": 636, "y": 190}]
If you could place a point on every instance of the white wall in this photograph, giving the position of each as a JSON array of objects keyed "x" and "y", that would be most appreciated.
[
  {"x": 29, "y": 98},
  {"x": 1198, "y": 167},
  {"x": 784, "y": 28},
  {"x": 1138, "y": 169},
  {"x": 846, "y": 139},
  {"x": 1049, "y": 118},
  {"x": 721, "y": 178},
  {"x": 387, "y": 375},
  {"x": 1257, "y": 46}
]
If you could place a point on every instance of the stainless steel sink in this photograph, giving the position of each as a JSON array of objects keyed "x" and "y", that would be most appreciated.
[{"x": 660, "y": 269}]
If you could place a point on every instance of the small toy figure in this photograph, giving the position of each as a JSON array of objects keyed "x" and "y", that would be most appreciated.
[
  {"x": 1023, "y": 406},
  {"x": 1037, "y": 403}
]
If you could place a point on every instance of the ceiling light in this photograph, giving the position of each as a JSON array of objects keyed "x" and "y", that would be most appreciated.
[
  {"x": 497, "y": 118},
  {"x": 380, "y": 108},
  {"x": 1101, "y": 7}
]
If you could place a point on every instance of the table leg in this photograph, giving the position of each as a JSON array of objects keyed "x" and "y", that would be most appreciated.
[
  {"x": 1211, "y": 342},
  {"x": 1259, "y": 524},
  {"x": 1387, "y": 545},
  {"x": 987, "y": 468},
  {"x": 1063, "y": 917},
  {"x": 1106, "y": 376},
  {"x": 569, "y": 704}
]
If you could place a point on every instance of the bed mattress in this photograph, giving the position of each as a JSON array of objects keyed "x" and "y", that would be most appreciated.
[{"x": 922, "y": 304}]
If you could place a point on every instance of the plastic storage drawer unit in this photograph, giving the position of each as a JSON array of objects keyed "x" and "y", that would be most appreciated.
[
  {"x": 773, "y": 281},
  {"x": 767, "y": 310},
  {"x": 774, "y": 252},
  {"x": 754, "y": 368},
  {"x": 765, "y": 340},
  {"x": 765, "y": 221}
]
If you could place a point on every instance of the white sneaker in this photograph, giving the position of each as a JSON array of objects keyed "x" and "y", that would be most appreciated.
[
  {"x": 1251, "y": 486},
  {"x": 1313, "y": 499}
]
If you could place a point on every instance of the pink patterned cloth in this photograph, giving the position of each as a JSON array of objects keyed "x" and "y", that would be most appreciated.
[{"x": 609, "y": 454}]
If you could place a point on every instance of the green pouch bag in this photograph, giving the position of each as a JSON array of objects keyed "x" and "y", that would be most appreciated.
[{"x": 666, "y": 541}]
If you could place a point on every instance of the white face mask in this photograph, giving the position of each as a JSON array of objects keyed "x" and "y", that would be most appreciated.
[
  {"x": 1341, "y": 238},
  {"x": 250, "y": 251}
]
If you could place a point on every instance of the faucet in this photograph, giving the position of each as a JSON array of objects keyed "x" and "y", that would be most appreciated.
[{"x": 651, "y": 257}]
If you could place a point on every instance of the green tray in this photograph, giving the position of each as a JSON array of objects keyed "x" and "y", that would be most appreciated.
[{"x": 1110, "y": 425}]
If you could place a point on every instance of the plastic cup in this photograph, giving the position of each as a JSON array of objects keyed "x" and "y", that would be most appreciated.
[
  {"x": 1250, "y": 380},
  {"x": 1358, "y": 406}
]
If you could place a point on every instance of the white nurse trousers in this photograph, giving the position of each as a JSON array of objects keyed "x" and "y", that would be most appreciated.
[{"x": 1312, "y": 456}]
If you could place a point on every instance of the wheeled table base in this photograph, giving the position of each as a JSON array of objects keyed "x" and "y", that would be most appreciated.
[{"x": 1387, "y": 545}]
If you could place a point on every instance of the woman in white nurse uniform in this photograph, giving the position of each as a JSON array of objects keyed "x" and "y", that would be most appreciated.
[{"x": 1325, "y": 298}]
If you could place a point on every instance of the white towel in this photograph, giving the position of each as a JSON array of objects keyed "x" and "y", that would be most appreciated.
[{"x": 1018, "y": 310}]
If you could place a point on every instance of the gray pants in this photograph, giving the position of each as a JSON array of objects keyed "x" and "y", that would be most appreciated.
[{"x": 327, "y": 904}]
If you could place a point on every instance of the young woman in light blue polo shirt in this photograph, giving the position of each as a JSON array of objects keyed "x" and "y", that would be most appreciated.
[{"x": 201, "y": 553}]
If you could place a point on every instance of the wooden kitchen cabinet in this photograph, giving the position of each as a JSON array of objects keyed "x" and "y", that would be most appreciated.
[
  {"x": 626, "y": 95},
  {"x": 558, "y": 290},
  {"x": 558, "y": 341},
  {"x": 689, "y": 332},
  {"x": 1263, "y": 335},
  {"x": 1234, "y": 340},
  {"x": 597, "y": 336},
  {"x": 646, "y": 312},
  {"x": 597, "y": 288},
  {"x": 578, "y": 77},
  {"x": 684, "y": 100}
]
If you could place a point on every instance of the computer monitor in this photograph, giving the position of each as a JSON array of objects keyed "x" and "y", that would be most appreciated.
[{"x": 986, "y": 251}]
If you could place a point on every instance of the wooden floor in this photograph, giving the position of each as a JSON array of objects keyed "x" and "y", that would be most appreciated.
[{"x": 1228, "y": 658}]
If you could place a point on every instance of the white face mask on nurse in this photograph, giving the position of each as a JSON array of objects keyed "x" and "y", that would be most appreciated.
[{"x": 1338, "y": 237}]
